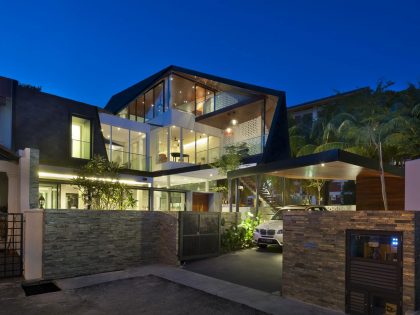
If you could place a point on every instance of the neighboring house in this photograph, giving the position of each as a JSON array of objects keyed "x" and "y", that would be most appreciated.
[
  {"x": 165, "y": 131},
  {"x": 308, "y": 112}
]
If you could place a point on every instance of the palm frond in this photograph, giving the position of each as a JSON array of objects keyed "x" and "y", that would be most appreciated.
[
  {"x": 330, "y": 146},
  {"x": 416, "y": 111},
  {"x": 306, "y": 150},
  {"x": 296, "y": 143}
]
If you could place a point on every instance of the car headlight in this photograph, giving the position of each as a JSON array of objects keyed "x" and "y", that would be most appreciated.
[
  {"x": 257, "y": 230},
  {"x": 280, "y": 232}
]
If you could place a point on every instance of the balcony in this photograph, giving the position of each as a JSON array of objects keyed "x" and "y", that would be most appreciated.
[{"x": 132, "y": 161}]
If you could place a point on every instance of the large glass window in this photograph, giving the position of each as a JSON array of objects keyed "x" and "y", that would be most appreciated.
[
  {"x": 177, "y": 201},
  {"x": 188, "y": 145},
  {"x": 125, "y": 147},
  {"x": 146, "y": 106},
  {"x": 137, "y": 150},
  {"x": 71, "y": 198},
  {"x": 50, "y": 194},
  {"x": 160, "y": 200},
  {"x": 182, "y": 94},
  {"x": 119, "y": 146},
  {"x": 214, "y": 149},
  {"x": 162, "y": 145},
  {"x": 202, "y": 150},
  {"x": 175, "y": 143},
  {"x": 142, "y": 199},
  {"x": 158, "y": 93},
  {"x": 80, "y": 138},
  {"x": 191, "y": 97},
  {"x": 149, "y": 108}
]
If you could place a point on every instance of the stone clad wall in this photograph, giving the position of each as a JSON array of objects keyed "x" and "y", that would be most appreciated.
[
  {"x": 314, "y": 253},
  {"x": 81, "y": 242},
  {"x": 228, "y": 219}
]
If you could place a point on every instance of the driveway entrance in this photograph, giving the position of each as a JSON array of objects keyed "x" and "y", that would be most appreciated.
[{"x": 256, "y": 268}]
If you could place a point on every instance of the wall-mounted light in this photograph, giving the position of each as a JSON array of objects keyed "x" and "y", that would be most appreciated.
[{"x": 41, "y": 201}]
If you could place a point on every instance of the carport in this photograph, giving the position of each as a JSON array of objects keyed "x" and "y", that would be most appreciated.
[
  {"x": 263, "y": 269},
  {"x": 333, "y": 165}
]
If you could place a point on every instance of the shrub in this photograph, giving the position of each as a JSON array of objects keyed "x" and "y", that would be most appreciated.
[{"x": 240, "y": 236}]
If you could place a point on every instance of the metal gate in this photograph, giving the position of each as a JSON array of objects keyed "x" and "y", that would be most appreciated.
[
  {"x": 199, "y": 235},
  {"x": 374, "y": 272},
  {"x": 11, "y": 249}
]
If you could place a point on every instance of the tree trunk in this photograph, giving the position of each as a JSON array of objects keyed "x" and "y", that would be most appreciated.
[{"x": 381, "y": 163}]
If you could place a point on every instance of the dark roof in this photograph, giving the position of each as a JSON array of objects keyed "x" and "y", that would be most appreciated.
[
  {"x": 8, "y": 155},
  {"x": 331, "y": 164},
  {"x": 122, "y": 98},
  {"x": 324, "y": 100}
]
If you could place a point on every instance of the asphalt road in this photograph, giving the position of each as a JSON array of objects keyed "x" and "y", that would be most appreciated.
[
  {"x": 256, "y": 268},
  {"x": 140, "y": 295}
]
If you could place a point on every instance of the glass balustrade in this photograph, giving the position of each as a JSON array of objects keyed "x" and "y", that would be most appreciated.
[{"x": 132, "y": 161}]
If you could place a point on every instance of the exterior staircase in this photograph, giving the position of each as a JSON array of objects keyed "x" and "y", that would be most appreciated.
[{"x": 264, "y": 192}]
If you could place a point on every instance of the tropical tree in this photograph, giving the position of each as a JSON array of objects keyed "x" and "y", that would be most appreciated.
[
  {"x": 231, "y": 160},
  {"x": 381, "y": 124},
  {"x": 98, "y": 181}
]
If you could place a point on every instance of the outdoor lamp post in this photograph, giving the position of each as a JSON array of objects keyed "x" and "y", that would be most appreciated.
[{"x": 41, "y": 201}]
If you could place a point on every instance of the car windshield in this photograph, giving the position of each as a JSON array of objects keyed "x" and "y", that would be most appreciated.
[{"x": 279, "y": 214}]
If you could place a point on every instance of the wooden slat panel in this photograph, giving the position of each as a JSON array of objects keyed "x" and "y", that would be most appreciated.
[{"x": 369, "y": 193}]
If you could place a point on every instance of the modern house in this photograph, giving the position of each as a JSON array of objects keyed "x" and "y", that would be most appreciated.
[{"x": 165, "y": 131}]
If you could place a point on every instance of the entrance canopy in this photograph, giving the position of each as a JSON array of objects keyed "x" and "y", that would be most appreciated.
[{"x": 332, "y": 164}]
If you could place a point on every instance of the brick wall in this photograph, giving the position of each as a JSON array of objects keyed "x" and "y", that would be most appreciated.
[
  {"x": 316, "y": 273},
  {"x": 81, "y": 242}
]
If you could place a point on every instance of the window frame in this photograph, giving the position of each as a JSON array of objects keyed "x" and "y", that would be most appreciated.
[{"x": 71, "y": 136}]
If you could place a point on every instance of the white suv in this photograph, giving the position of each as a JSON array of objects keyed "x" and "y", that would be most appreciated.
[{"x": 271, "y": 232}]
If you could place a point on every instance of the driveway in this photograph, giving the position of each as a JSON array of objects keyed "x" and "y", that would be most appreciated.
[
  {"x": 140, "y": 295},
  {"x": 256, "y": 268}
]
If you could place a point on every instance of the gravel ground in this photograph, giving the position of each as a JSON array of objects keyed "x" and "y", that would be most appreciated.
[{"x": 140, "y": 295}]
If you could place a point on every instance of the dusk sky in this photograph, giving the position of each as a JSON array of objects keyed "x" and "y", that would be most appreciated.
[{"x": 90, "y": 50}]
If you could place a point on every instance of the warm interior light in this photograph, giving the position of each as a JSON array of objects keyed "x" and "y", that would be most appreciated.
[
  {"x": 234, "y": 122},
  {"x": 199, "y": 141},
  {"x": 322, "y": 164},
  {"x": 229, "y": 130},
  {"x": 49, "y": 175}
]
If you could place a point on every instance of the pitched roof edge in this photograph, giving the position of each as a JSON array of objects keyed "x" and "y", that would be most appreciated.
[{"x": 127, "y": 95}]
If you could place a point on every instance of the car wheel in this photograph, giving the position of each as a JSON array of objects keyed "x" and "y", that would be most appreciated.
[{"x": 262, "y": 245}]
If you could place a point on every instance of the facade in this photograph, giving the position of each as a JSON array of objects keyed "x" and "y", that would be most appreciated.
[{"x": 165, "y": 132}]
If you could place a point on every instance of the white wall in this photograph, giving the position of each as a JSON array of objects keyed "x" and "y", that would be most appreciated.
[
  {"x": 412, "y": 185},
  {"x": 33, "y": 229}
]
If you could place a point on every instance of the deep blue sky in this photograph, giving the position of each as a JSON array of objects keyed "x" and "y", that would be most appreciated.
[{"x": 88, "y": 50}]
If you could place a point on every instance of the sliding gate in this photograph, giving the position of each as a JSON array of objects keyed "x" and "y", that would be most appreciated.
[
  {"x": 11, "y": 238},
  {"x": 199, "y": 235}
]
